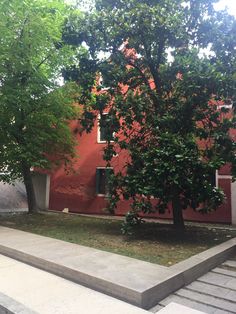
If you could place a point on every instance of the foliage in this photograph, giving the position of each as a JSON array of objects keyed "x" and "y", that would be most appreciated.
[
  {"x": 34, "y": 107},
  {"x": 168, "y": 78}
]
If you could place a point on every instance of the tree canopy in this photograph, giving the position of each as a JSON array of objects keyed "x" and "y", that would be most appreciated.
[
  {"x": 164, "y": 95},
  {"x": 168, "y": 85},
  {"x": 35, "y": 107}
]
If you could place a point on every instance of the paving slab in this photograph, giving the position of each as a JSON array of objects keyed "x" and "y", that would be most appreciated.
[{"x": 28, "y": 290}]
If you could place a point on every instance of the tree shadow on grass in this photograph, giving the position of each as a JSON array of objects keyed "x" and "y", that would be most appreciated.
[
  {"x": 72, "y": 227},
  {"x": 166, "y": 233}
]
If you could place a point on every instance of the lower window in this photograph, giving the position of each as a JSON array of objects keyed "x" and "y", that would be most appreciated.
[{"x": 102, "y": 180}]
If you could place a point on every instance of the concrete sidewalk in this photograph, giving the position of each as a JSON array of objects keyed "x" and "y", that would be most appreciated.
[
  {"x": 134, "y": 281},
  {"x": 28, "y": 290}
]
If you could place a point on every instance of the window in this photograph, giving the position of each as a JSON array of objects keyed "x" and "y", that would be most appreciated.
[
  {"x": 102, "y": 180},
  {"x": 105, "y": 132},
  {"x": 213, "y": 178}
]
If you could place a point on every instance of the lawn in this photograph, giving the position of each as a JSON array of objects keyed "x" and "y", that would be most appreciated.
[{"x": 152, "y": 242}]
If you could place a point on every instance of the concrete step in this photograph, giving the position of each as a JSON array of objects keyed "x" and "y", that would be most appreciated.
[
  {"x": 230, "y": 263},
  {"x": 207, "y": 300},
  {"x": 192, "y": 304},
  {"x": 224, "y": 271},
  {"x": 219, "y": 280},
  {"x": 27, "y": 290},
  {"x": 214, "y": 291}
]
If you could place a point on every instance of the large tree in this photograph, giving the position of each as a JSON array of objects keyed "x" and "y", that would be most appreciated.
[
  {"x": 168, "y": 82},
  {"x": 35, "y": 107}
]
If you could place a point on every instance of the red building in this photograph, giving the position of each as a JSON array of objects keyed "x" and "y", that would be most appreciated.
[{"x": 85, "y": 190}]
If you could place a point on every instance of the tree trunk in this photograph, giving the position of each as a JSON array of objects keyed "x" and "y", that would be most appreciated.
[
  {"x": 177, "y": 214},
  {"x": 29, "y": 188}
]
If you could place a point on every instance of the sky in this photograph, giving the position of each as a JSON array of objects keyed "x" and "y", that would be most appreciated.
[
  {"x": 230, "y": 4},
  {"x": 222, "y": 4}
]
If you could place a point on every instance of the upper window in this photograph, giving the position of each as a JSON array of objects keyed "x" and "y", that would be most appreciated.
[
  {"x": 213, "y": 178},
  {"x": 105, "y": 132}
]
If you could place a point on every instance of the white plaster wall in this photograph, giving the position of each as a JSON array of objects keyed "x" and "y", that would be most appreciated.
[{"x": 42, "y": 186}]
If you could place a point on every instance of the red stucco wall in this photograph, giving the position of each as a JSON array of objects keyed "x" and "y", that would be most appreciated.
[{"x": 77, "y": 191}]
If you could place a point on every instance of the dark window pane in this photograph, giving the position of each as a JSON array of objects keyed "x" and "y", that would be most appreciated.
[
  {"x": 102, "y": 180},
  {"x": 106, "y": 132},
  {"x": 103, "y": 128},
  {"x": 213, "y": 178}
]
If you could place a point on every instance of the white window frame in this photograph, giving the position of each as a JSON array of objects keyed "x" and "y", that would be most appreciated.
[{"x": 222, "y": 176}]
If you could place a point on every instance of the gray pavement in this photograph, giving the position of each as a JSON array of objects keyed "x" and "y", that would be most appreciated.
[{"x": 215, "y": 292}]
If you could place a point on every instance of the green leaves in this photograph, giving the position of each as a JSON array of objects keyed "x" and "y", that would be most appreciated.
[{"x": 35, "y": 108}]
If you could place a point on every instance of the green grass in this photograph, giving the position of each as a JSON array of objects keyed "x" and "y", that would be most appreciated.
[{"x": 152, "y": 242}]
